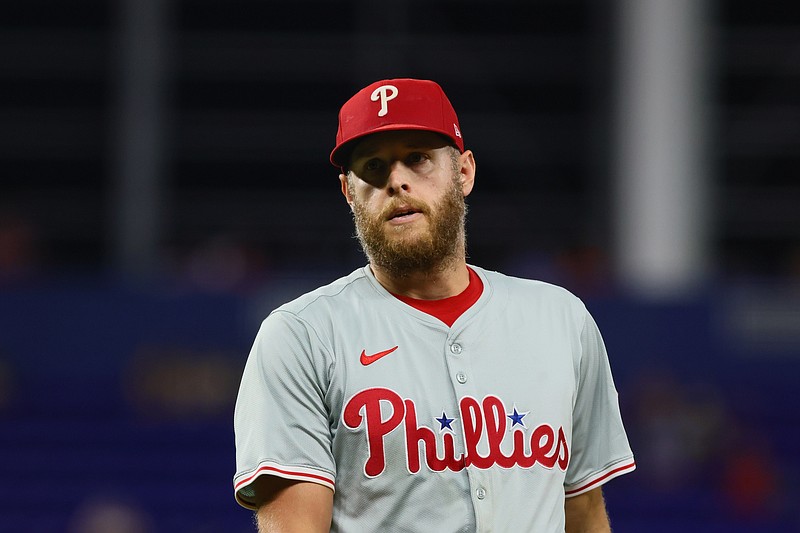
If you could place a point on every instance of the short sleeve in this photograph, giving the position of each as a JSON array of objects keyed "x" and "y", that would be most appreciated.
[
  {"x": 281, "y": 420},
  {"x": 600, "y": 449}
]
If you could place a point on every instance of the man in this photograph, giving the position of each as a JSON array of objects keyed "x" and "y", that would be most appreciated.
[{"x": 420, "y": 393}]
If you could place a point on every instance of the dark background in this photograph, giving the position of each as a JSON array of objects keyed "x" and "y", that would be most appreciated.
[{"x": 118, "y": 372}]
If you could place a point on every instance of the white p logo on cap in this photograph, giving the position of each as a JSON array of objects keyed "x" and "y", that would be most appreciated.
[{"x": 384, "y": 93}]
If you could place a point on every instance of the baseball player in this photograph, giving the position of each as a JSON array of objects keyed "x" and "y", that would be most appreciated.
[{"x": 420, "y": 393}]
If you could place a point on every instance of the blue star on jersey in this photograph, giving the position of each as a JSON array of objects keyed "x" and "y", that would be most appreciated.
[
  {"x": 516, "y": 417},
  {"x": 445, "y": 422}
]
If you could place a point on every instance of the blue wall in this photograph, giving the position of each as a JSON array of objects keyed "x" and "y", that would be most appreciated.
[{"x": 85, "y": 425}]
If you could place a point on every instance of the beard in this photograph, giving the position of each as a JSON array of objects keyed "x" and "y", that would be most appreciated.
[{"x": 401, "y": 250}]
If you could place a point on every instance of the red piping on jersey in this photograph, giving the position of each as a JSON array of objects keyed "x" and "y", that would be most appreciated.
[
  {"x": 616, "y": 471},
  {"x": 262, "y": 469},
  {"x": 448, "y": 309}
]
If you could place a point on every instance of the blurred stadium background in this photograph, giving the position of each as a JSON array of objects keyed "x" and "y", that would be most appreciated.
[{"x": 164, "y": 183}]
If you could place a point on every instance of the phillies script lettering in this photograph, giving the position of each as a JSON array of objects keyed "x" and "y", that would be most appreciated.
[{"x": 545, "y": 446}]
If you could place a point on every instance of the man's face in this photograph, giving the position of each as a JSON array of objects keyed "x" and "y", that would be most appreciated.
[{"x": 407, "y": 195}]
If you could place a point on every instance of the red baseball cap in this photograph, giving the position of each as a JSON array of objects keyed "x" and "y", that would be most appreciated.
[{"x": 399, "y": 104}]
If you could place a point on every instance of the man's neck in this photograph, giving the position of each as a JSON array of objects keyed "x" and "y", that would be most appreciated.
[{"x": 444, "y": 282}]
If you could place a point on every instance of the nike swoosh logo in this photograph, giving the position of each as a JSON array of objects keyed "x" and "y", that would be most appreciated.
[{"x": 369, "y": 359}]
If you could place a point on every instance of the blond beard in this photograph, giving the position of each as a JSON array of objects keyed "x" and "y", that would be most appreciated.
[{"x": 439, "y": 247}]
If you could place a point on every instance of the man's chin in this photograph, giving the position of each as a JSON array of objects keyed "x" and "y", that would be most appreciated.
[
  {"x": 420, "y": 223},
  {"x": 407, "y": 233}
]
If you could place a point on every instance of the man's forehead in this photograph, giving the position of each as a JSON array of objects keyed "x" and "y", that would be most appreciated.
[{"x": 408, "y": 139}]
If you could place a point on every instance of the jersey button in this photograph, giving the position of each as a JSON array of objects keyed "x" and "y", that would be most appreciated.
[
  {"x": 456, "y": 349},
  {"x": 461, "y": 377},
  {"x": 480, "y": 493}
]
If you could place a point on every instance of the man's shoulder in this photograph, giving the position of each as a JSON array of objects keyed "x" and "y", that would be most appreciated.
[
  {"x": 332, "y": 294},
  {"x": 515, "y": 284},
  {"x": 526, "y": 291}
]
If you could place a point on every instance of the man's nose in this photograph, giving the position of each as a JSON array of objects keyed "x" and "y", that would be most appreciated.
[{"x": 398, "y": 179}]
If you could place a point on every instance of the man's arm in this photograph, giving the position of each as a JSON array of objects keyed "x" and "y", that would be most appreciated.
[
  {"x": 586, "y": 513},
  {"x": 293, "y": 506}
]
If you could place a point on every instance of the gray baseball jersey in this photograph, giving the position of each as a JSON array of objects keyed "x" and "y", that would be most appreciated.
[{"x": 483, "y": 426}]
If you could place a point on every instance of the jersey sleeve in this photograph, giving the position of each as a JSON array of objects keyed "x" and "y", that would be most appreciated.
[
  {"x": 281, "y": 421},
  {"x": 600, "y": 449}
]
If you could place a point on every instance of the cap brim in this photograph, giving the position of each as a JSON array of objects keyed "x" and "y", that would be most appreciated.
[{"x": 341, "y": 154}]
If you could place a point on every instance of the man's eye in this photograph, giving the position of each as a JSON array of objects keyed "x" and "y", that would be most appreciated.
[
  {"x": 373, "y": 164},
  {"x": 416, "y": 157}
]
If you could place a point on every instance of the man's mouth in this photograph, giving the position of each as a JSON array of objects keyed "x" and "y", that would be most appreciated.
[{"x": 403, "y": 214}]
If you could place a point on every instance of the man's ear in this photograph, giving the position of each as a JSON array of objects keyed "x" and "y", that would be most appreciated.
[
  {"x": 345, "y": 188},
  {"x": 467, "y": 170}
]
